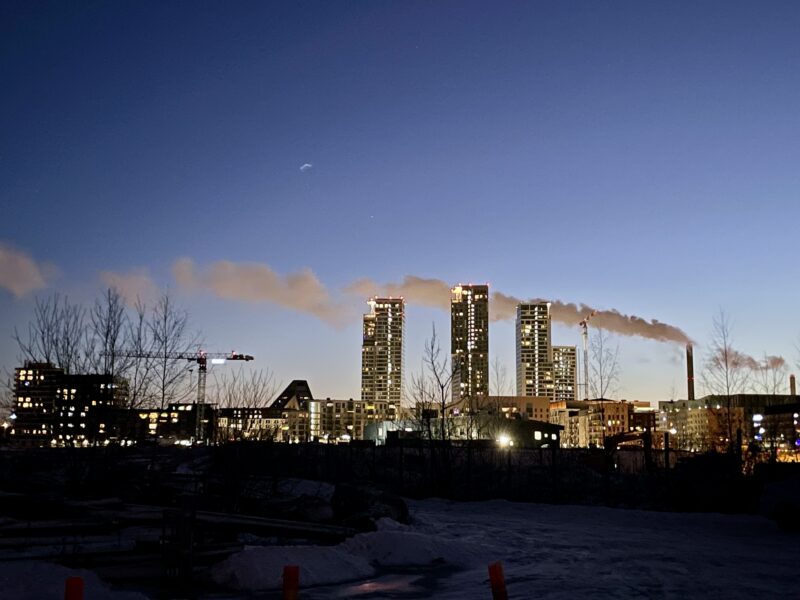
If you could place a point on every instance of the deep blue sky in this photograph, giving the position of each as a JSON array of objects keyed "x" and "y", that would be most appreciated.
[{"x": 641, "y": 156}]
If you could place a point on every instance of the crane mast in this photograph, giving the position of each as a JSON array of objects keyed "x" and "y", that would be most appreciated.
[{"x": 584, "y": 325}]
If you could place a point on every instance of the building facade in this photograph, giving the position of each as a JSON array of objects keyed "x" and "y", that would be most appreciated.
[
  {"x": 52, "y": 408},
  {"x": 469, "y": 343},
  {"x": 712, "y": 423},
  {"x": 382, "y": 351},
  {"x": 534, "y": 351},
  {"x": 565, "y": 374},
  {"x": 527, "y": 407},
  {"x": 36, "y": 387}
]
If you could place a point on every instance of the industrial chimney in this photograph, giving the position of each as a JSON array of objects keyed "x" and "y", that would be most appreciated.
[
  {"x": 792, "y": 386},
  {"x": 690, "y": 372}
]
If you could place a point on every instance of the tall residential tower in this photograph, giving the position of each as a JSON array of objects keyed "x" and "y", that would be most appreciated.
[
  {"x": 534, "y": 352},
  {"x": 469, "y": 342},
  {"x": 382, "y": 351},
  {"x": 565, "y": 373}
]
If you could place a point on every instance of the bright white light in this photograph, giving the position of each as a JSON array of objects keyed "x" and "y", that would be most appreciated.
[
  {"x": 757, "y": 418},
  {"x": 673, "y": 431},
  {"x": 217, "y": 361},
  {"x": 504, "y": 441}
]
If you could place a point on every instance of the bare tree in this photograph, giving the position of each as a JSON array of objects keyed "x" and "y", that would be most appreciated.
[
  {"x": 500, "y": 384},
  {"x": 604, "y": 365},
  {"x": 770, "y": 376},
  {"x": 440, "y": 375},
  {"x": 726, "y": 370},
  {"x": 430, "y": 389},
  {"x": 139, "y": 370},
  {"x": 423, "y": 397},
  {"x": 169, "y": 330},
  {"x": 109, "y": 326},
  {"x": 247, "y": 390},
  {"x": 57, "y": 335}
]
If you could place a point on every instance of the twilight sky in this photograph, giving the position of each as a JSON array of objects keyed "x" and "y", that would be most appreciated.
[{"x": 638, "y": 156}]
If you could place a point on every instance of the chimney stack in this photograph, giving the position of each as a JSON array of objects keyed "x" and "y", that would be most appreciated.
[
  {"x": 792, "y": 386},
  {"x": 690, "y": 371}
]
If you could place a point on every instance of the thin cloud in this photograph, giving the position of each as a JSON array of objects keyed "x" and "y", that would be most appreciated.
[
  {"x": 133, "y": 285},
  {"x": 305, "y": 167},
  {"x": 20, "y": 274}
]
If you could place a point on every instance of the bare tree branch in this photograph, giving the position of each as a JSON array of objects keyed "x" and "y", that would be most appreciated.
[
  {"x": 499, "y": 381},
  {"x": 169, "y": 331},
  {"x": 57, "y": 335},
  {"x": 604, "y": 365},
  {"x": 109, "y": 325},
  {"x": 726, "y": 370},
  {"x": 245, "y": 389},
  {"x": 139, "y": 371},
  {"x": 770, "y": 376}
]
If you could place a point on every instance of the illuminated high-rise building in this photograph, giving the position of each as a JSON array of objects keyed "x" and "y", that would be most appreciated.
[
  {"x": 469, "y": 342},
  {"x": 565, "y": 373},
  {"x": 534, "y": 352},
  {"x": 382, "y": 351}
]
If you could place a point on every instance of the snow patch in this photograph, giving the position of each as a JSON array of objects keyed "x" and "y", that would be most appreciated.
[
  {"x": 399, "y": 548},
  {"x": 261, "y": 568}
]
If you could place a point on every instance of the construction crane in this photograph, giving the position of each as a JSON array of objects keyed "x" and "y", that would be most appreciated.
[
  {"x": 200, "y": 357},
  {"x": 584, "y": 325}
]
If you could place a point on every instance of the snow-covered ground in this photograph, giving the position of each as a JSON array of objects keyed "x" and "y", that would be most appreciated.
[{"x": 548, "y": 552}]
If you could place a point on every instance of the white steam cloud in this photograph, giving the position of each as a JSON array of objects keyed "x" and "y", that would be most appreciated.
[
  {"x": 435, "y": 292},
  {"x": 258, "y": 283},
  {"x": 133, "y": 285},
  {"x": 304, "y": 292},
  {"x": 20, "y": 274}
]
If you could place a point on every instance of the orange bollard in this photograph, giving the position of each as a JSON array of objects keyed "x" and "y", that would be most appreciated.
[
  {"x": 291, "y": 582},
  {"x": 73, "y": 589},
  {"x": 497, "y": 581}
]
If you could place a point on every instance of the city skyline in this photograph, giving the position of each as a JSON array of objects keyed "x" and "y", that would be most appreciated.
[{"x": 273, "y": 166}]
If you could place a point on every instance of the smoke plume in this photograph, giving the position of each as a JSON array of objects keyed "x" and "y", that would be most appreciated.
[
  {"x": 303, "y": 292},
  {"x": 436, "y": 293},
  {"x": 418, "y": 290},
  {"x": 258, "y": 283},
  {"x": 773, "y": 362},
  {"x": 132, "y": 286},
  {"x": 20, "y": 274}
]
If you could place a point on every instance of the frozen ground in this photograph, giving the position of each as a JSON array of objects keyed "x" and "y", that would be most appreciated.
[{"x": 548, "y": 552}]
